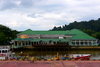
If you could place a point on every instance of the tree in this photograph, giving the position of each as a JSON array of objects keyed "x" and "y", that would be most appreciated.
[
  {"x": 96, "y": 35},
  {"x": 88, "y": 31},
  {"x": 93, "y": 25},
  {"x": 2, "y": 38},
  {"x": 6, "y": 34},
  {"x": 54, "y": 28}
]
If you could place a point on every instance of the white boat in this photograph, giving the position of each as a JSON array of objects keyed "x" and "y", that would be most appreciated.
[{"x": 5, "y": 53}]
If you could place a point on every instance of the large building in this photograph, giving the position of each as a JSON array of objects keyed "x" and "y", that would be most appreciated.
[{"x": 72, "y": 37}]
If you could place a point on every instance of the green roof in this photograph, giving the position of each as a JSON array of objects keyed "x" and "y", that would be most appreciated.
[
  {"x": 29, "y": 31},
  {"x": 82, "y": 37},
  {"x": 75, "y": 31},
  {"x": 22, "y": 39},
  {"x": 55, "y": 40}
]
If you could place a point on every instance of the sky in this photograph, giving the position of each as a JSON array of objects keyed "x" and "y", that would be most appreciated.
[{"x": 45, "y": 14}]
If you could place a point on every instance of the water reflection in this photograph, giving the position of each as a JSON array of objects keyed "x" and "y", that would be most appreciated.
[{"x": 95, "y": 54}]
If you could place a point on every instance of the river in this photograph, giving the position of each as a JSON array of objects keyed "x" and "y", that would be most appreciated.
[{"x": 95, "y": 54}]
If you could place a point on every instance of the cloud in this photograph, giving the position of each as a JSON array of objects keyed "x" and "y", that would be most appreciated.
[
  {"x": 27, "y": 3},
  {"x": 7, "y": 4},
  {"x": 45, "y": 14}
]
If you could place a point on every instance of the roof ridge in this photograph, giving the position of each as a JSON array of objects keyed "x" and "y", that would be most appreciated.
[{"x": 82, "y": 36}]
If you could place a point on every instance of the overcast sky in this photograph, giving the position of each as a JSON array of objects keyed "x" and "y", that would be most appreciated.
[{"x": 45, "y": 14}]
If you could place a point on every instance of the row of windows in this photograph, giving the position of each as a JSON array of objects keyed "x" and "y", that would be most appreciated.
[
  {"x": 83, "y": 42},
  {"x": 3, "y": 51}
]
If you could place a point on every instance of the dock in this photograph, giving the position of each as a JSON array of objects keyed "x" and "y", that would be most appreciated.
[{"x": 50, "y": 64}]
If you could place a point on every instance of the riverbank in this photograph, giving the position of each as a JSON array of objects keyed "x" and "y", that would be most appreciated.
[
  {"x": 88, "y": 47},
  {"x": 73, "y": 47},
  {"x": 56, "y": 48},
  {"x": 50, "y": 64}
]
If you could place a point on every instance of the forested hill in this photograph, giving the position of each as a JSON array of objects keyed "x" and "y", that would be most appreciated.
[
  {"x": 91, "y": 27},
  {"x": 6, "y": 34}
]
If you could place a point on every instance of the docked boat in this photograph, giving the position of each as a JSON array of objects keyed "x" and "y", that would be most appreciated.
[
  {"x": 5, "y": 53},
  {"x": 78, "y": 56}
]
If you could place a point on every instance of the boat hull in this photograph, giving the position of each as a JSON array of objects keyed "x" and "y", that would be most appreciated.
[
  {"x": 79, "y": 56},
  {"x": 83, "y": 58}
]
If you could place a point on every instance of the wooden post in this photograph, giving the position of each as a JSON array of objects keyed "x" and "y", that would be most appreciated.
[
  {"x": 12, "y": 47},
  {"x": 57, "y": 54}
]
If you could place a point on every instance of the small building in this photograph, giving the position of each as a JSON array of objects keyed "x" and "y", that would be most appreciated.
[{"x": 67, "y": 38}]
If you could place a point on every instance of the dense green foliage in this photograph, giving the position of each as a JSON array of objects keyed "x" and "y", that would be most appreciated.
[
  {"x": 91, "y": 27},
  {"x": 6, "y": 35}
]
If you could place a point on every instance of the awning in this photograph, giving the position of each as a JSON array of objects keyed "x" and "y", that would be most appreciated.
[{"x": 23, "y": 39}]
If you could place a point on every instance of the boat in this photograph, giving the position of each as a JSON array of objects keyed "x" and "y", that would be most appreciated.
[
  {"x": 5, "y": 53},
  {"x": 78, "y": 56}
]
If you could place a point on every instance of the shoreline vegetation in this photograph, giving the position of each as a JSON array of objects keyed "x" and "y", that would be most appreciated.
[{"x": 84, "y": 47}]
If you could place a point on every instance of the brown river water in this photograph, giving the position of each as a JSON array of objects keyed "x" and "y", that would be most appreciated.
[{"x": 95, "y": 54}]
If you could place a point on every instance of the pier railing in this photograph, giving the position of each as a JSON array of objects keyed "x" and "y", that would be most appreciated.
[{"x": 63, "y": 45}]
